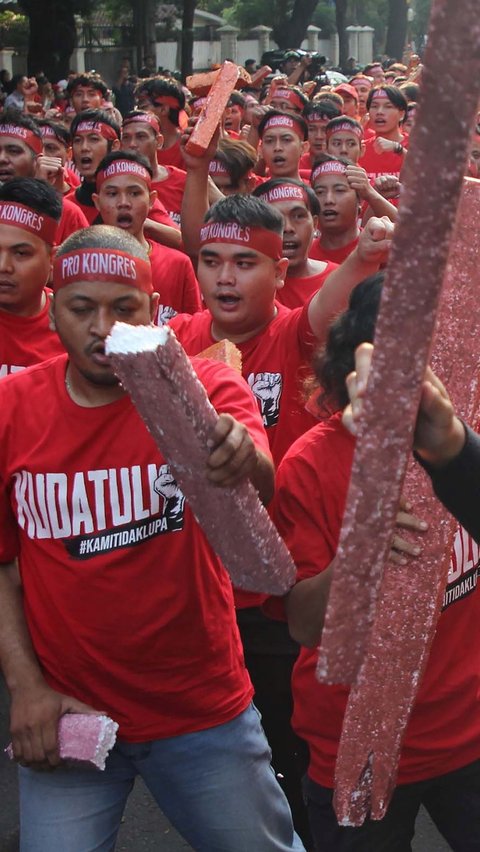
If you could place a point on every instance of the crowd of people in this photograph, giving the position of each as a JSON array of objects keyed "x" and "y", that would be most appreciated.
[{"x": 112, "y": 600}]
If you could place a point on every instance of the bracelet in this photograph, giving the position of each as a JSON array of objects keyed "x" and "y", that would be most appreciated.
[{"x": 398, "y": 148}]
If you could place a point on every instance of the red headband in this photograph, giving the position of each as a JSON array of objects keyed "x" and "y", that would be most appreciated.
[
  {"x": 259, "y": 239},
  {"x": 283, "y": 121},
  {"x": 45, "y": 130},
  {"x": 21, "y": 216},
  {"x": 379, "y": 93},
  {"x": 345, "y": 127},
  {"x": 317, "y": 117},
  {"x": 123, "y": 167},
  {"x": 288, "y": 95},
  {"x": 96, "y": 127},
  {"x": 145, "y": 118},
  {"x": 102, "y": 265},
  {"x": 330, "y": 167},
  {"x": 33, "y": 141},
  {"x": 216, "y": 167},
  {"x": 286, "y": 192}
]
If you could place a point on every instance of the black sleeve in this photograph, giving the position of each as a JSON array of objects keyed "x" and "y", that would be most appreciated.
[{"x": 457, "y": 484}]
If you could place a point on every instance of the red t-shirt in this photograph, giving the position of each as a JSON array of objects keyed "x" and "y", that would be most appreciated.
[
  {"x": 297, "y": 291},
  {"x": 174, "y": 279},
  {"x": 274, "y": 362},
  {"x": 336, "y": 256},
  {"x": 26, "y": 340},
  {"x": 388, "y": 163},
  {"x": 159, "y": 214},
  {"x": 89, "y": 210},
  {"x": 171, "y": 191},
  {"x": 72, "y": 219},
  {"x": 126, "y": 603},
  {"x": 443, "y": 733},
  {"x": 171, "y": 156},
  {"x": 71, "y": 177}
]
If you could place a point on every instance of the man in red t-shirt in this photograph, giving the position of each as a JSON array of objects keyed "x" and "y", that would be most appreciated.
[
  {"x": 21, "y": 155},
  {"x": 165, "y": 98},
  {"x": 144, "y": 630},
  {"x": 300, "y": 209},
  {"x": 124, "y": 197},
  {"x": 283, "y": 140},
  {"x": 317, "y": 116},
  {"x": 29, "y": 214},
  {"x": 440, "y": 757},
  {"x": 94, "y": 134},
  {"x": 87, "y": 91},
  {"x": 141, "y": 133},
  {"x": 385, "y": 153}
]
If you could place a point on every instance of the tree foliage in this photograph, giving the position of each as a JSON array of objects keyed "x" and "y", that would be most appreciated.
[{"x": 52, "y": 35}]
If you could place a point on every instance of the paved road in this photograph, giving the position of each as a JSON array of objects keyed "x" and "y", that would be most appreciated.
[{"x": 144, "y": 827}]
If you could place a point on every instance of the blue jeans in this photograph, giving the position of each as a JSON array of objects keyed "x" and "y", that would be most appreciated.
[{"x": 215, "y": 786}]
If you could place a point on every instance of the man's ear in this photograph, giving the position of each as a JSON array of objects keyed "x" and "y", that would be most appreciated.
[
  {"x": 362, "y": 147},
  {"x": 96, "y": 201},
  {"x": 115, "y": 145},
  {"x": 281, "y": 268}
]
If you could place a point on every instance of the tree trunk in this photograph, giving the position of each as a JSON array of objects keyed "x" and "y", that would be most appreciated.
[
  {"x": 291, "y": 32},
  {"x": 50, "y": 46},
  {"x": 189, "y": 7},
  {"x": 341, "y": 22},
  {"x": 144, "y": 20},
  {"x": 396, "y": 28}
]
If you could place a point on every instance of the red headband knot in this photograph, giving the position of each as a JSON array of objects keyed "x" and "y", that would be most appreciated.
[
  {"x": 21, "y": 216},
  {"x": 123, "y": 167},
  {"x": 144, "y": 118},
  {"x": 286, "y": 192},
  {"x": 330, "y": 167},
  {"x": 100, "y": 127},
  {"x": 31, "y": 139},
  {"x": 286, "y": 121},
  {"x": 102, "y": 265},
  {"x": 259, "y": 239}
]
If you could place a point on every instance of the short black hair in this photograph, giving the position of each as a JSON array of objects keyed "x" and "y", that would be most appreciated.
[
  {"x": 34, "y": 193},
  {"x": 103, "y": 236},
  {"x": 155, "y": 87},
  {"x": 393, "y": 94},
  {"x": 313, "y": 203},
  {"x": 247, "y": 211},
  {"x": 237, "y": 99},
  {"x": 132, "y": 156},
  {"x": 325, "y": 109},
  {"x": 277, "y": 112},
  {"x": 95, "y": 115},
  {"x": 60, "y": 131},
  {"x": 93, "y": 80},
  {"x": 356, "y": 325}
]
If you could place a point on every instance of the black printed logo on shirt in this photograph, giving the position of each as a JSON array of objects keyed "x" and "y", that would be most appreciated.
[{"x": 267, "y": 387}]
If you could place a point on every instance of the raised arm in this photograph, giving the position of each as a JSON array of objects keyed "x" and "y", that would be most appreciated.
[{"x": 365, "y": 260}]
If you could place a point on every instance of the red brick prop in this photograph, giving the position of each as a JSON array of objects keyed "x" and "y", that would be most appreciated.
[
  {"x": 154, "y": 369},
  {"x": 432, "y": 182},
  {"x": 411, "y": 596}
]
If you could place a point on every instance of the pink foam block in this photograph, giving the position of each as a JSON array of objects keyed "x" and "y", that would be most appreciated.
[
  {"x": 84, "y": 738},
  {"x": 411, "y": 596},
  {"x": 158, "y": 375}
]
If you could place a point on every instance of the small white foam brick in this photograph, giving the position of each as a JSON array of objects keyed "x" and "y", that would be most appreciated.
[{"x": 125, "y": 339}]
